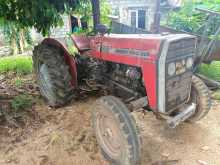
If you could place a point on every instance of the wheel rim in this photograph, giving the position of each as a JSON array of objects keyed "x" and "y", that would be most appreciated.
[
  {"x": 45, "y": 81},
  {"x": 109, "y": 134}
]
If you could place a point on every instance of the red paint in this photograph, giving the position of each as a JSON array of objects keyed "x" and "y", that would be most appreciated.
[
  {"x": 148, "y": 65},
  {"x": 149, "y": 43},
  {"x": 82, "y": 42}
]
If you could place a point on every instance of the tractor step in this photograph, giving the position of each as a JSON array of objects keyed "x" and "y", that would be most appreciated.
[{"x": 185, "y": 114}]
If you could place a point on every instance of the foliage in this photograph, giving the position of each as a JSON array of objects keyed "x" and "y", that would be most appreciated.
[
  {"x": 216, "y": 95},
  {"x": 46, "y": 14},
  {"x": 41, "y": 14},
  {"x": 17, "y": 37},
  {"x": 190, "y": 20},
  {"x": 85, "y": 11},
  {"x": 105, "y": 12},
  {"x": 22, "y": 102},
  {"x": 211, "y": 71},
  {"x": 14, "y": 112},
  {"x": 19, "y": 64},
  {"x": 18, "y": 82}
]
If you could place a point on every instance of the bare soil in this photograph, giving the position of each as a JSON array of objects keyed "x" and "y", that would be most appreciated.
[{"x": 65, "y": 137}]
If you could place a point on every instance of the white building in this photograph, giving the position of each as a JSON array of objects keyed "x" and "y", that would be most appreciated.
[{"x": 136, "y": 13}]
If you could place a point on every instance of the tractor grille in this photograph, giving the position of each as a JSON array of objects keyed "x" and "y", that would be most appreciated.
[
  {"x": 181, "y": 49},
  {"x": 178, "y": 86}
]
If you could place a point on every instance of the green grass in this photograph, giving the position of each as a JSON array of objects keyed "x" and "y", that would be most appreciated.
[
  {"x": 18, "y": 64},
  {"x": 211, "y": 71},
  {"x": 22, "y": 102},
  {"x": 18, "y": 82},
  {"x": 216, "y": 95}
]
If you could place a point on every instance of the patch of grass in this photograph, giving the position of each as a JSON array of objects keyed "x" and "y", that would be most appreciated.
[
  {"x": 18, "y": 82},
  {"x": 22, "y": 102},
  {"x": 216, "y": 95},
  {"x": 15, "y": 112},
  {"x": 211, "y": 71},
  {"x": 19, "y": 64}
]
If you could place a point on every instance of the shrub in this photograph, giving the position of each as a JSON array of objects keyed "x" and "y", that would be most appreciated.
[
  {"x": 18, "y": 64},
  {"x": 216, "y": 95},
  {"x": 211, "y": 71},
  {"x": 190, "y": 20},
  {"x": 22, "y": 102}
]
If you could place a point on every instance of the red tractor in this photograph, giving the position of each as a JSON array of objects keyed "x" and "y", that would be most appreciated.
[{"x": 152, "y": 72}]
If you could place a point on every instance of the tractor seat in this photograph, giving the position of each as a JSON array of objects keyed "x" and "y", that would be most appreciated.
[
  {"x": 102, "y": 29},
  {"x": 82, "y": 43}
]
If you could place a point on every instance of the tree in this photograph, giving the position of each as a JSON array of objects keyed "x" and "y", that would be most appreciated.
[
  {"x": 190, "y": 20},
  {"x": 18, "y": 38},
  {"x": 40, "y": 14},
  {"x": 96, "y": 12},
  {"x": 86, "y": 10}
]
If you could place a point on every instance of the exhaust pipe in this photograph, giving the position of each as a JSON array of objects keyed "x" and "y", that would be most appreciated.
[{"x": 182, "y": 116}]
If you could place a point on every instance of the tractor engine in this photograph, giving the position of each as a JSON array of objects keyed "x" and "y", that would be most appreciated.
[
  {"x": 126, "y": 75},
  {"x": 123, "y": 80}
]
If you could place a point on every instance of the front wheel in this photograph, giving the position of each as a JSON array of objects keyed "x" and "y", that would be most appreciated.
[
  {"x": 201, "y": 97},
  {"x": 116, "y": 132}
]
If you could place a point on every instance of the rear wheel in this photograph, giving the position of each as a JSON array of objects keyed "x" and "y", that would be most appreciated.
[
  {"x": 53, "y": 75},
  {"x": 116, "y": 132},
  {"x": 201, "y": 97}
]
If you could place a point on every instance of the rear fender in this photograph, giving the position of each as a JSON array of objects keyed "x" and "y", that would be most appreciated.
[
  {"x": 81, "y": 42},
  {"x": 70, "y": 61}
]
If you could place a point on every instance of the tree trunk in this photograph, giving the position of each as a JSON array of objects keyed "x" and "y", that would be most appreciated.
[
  {"x": 14, "y": 46},
  {"x": 21, "y": 41},
  {"x": 96, "y": 12}
]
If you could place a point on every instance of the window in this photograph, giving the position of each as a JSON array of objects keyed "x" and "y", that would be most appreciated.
[
  {"x": 141, "y": 19},
  {"x": 138, "y": 18},
  {"x": 134, "y": 18}
]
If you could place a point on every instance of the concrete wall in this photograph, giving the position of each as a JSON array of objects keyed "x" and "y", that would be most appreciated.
[
  {"x": 61, "y": 32},
  {"x": 124, "y": 8}
]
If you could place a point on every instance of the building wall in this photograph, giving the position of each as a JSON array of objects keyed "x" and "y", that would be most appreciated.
[
  {"x": 60, "y": 32},
  {"x": 123, "y": 9}
]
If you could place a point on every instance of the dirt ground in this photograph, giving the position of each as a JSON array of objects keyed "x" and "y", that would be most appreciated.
[{"x": 65, "y": 137}]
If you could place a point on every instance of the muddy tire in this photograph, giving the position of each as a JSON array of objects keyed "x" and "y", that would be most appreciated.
[
  {"x": 201, "y": 97},
  {"x": 53, "y": 75},
  {"x": 116, "y": 132}
]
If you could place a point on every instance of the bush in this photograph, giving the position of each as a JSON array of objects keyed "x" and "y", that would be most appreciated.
[
  {"x": 190, "y": 20},
  {"x": 18, "y": 64},
  {"x": 216, "y": 95},
  {"x": 211, "y": 71},
  {"x": 22, "y": 102}
]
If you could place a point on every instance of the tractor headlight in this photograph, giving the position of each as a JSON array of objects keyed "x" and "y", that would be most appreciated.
[
  {"x": 171, "y": 69},
  {"x": 189, "y": 63}
]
